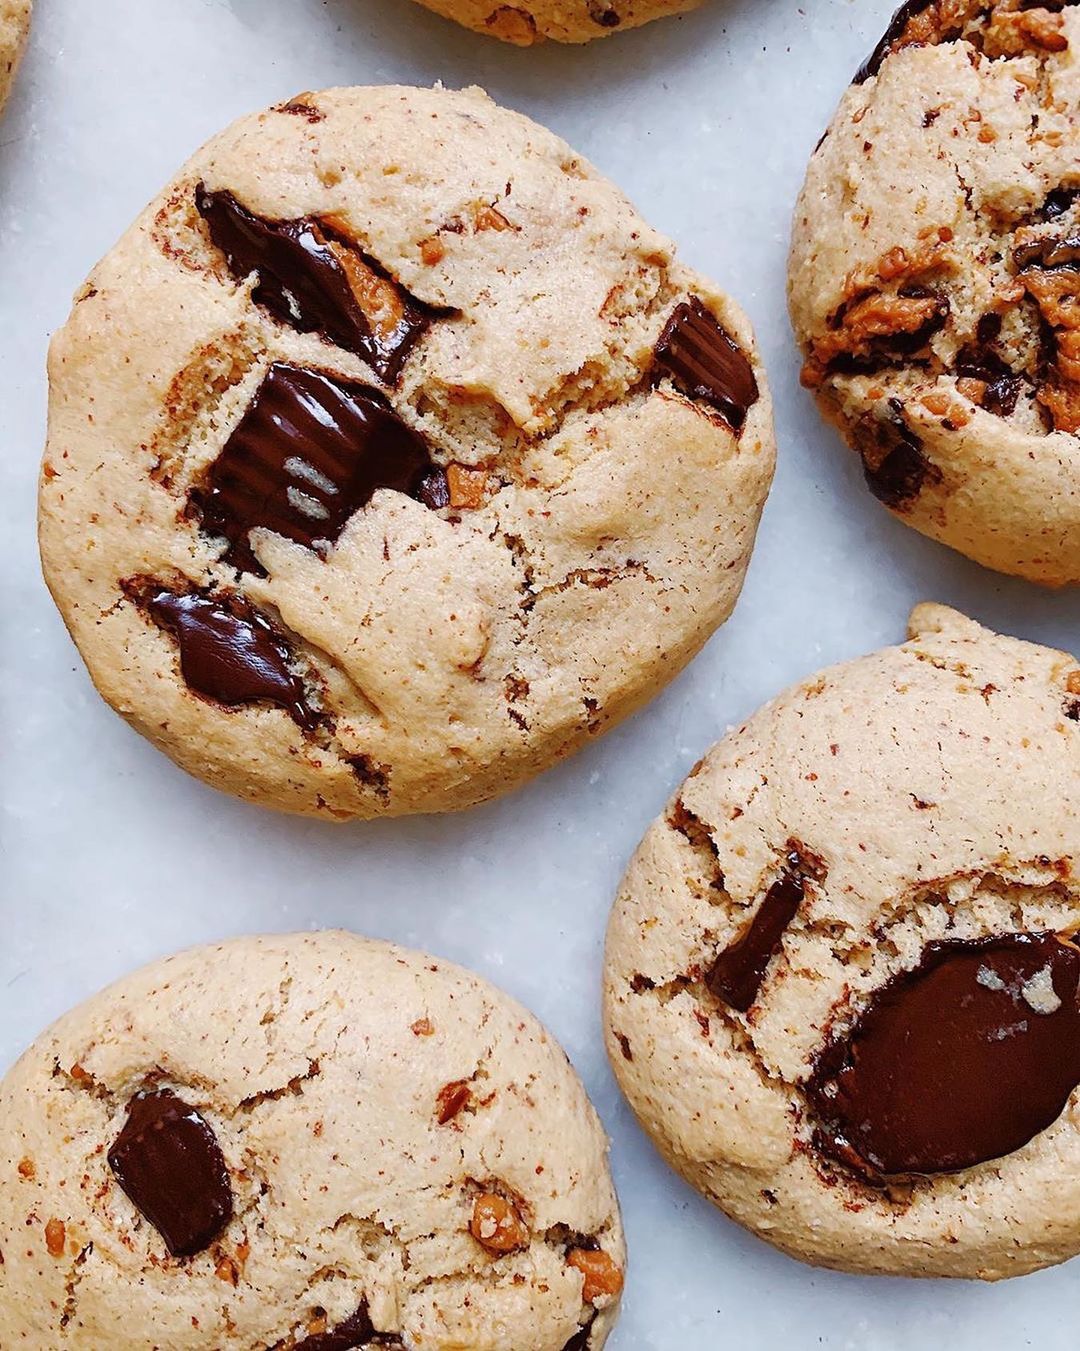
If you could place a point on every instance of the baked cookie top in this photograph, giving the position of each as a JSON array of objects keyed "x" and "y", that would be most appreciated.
[
  {"x": 934, "y": 277},
  {"x": 14, "y": 26},
  {"x": 392, "y": 456},
  {"x": 841, "y": 979},
  {"x": 310, "y": 1143},
  {"x": 527, "y": 22}
]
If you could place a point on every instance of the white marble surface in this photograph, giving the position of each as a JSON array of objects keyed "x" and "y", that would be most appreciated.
[{"x": 110, "y": 856}]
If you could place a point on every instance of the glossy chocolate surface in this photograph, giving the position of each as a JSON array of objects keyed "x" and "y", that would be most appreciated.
[
  {"x": 168, "y": 1162},
  {"x": 229, "y": 652},
  {"x": 736, "y": 975},
  {"x": 317, "y": 282},
  {"x": 706, "y": 363},
  {"x": 962, "y": 1060},
  {"x": 310, "y": 451}
]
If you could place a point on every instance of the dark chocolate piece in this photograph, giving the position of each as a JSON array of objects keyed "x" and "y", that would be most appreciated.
[
  {"x": 229, "y": 652},
  {"x": 903, "y": 469},
  {"x": 170, "y": 1165},
  {"x": 893, "y": 34},
  {"x": 356, "y": 1333},
  {"x": 604, "y": 13},
  {"x": 1058, "y": 203},
  {"x": 979, "y": 361},
  {"x": 309, "y": 453},
  {"x": 316, "y": 282},
  {"x": 952, "y": 1064},
  {"x": 706, "y": 363},
  {"x": 736, "y": 975},
  {"x": 1048, "y": 253}
]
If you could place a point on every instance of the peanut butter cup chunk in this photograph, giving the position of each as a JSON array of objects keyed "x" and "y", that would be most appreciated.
[
  {"x": 384, "y": 420},
  {"x": 841, "y": 979}
]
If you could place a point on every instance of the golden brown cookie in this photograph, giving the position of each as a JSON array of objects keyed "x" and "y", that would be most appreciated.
[{"x": 392, "y": 457}]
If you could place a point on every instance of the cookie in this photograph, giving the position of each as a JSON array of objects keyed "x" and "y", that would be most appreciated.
[
  {"x": 14, "y": 26},
  {"x": 934, "y": 275},
  {"x": 841, "y": 973},
  {"x": 392, "y": 457},
  {"x": 310, "y": 1143},
  {"x": 535, "y": 21}
]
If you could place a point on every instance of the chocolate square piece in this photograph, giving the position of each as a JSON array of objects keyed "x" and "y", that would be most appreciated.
[
  {"x": 310, "y": 452},
  {"x": 169, "y": 1164}
]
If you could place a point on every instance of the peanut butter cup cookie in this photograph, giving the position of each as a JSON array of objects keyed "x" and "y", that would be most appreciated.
[
  {"x": 14, "y": 26},
  {"x": 531, "y": 21},
  {"x": 305, "y": 1143},
  {"x": 842, "y": 973},
  {"x": 935, "y": 275},
  {"x": 392, "y": 457}
]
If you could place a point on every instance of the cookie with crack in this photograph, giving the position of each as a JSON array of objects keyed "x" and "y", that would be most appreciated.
[
  {"x": 575, "y": 21},
  {"x": 392, "y": 457},
  {"x": 14, "y": 26},
  {"x": 308, "y": 1143},
  {"x": 841, "y": 975},
  {"x": 934, "y": 277}
]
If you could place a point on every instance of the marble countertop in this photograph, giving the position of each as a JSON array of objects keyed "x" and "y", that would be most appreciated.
[{"x": 111, "y": 856}]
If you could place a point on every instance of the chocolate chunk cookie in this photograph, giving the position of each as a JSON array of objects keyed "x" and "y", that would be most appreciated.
[
  {"x": 532, "y": 21},
  {"x": 14, "y": 26},
  {"x": 935, "y": 271},
  {"x": 392, "y": 457},
  {"x": 312, "y": 1142},
  {"x": 841, "y": 988}
]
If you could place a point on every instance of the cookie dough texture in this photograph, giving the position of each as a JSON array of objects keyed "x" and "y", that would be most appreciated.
[
  {"x": 555, "y": 20},
  {"x": 936, "y": 786},
  {"x": 451, "y": 659},
  {"x": 14, "y": 26},
  {"x": 318, "y": 1061},
  {"x": 935, "y": 337}
]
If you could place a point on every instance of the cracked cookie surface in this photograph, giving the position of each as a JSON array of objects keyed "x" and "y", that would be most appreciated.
[
  {"x": 841, "y": 980},
  {"x": 14, "y": 26},
  {"x": 303, "y": 1143},
  {"x": 392, "y": 457},
  {"x": 934, "y": 279},
  {"x": 576, "y": 21}
]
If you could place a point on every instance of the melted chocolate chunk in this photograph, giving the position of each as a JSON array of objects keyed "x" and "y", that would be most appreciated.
[
  {"x": 979, "y": 361},
  {"x": 736, "y": 975},
  {"x": 902, "y": 470},
  {"x": 580, "y": 1340},
  {"x": 356, "y": 1333},
  {"x": 1058, "y": 203},
  {"x": 706, "y": 363},
  {"x": 604, "y": 13},
  {"x": 1048, "y": 254},
  {"x": 962, "y": 1060},
  {"x": 893, "y": 34},
  {"x": 169, "y": 1164},
  {"x": 309, "y": 453},
  {"x": 229, "y": 652},
  {"x": 316, "y": 282}
]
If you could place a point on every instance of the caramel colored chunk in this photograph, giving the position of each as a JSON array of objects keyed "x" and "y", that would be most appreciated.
[
  {"x": 603, "y": 1278},
  {"x": 496, "y": 1224}
]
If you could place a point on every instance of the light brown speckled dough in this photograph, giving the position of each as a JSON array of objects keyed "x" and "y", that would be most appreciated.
[
  {"x": 950, "y": 361},
  {"x": 14, "y": 26},
  {"x": 530, "y": 21},
  {"x": 321, "y": 1063},
  {"x": 926, "y": 792},
  {"x": 605, "y": 518}
]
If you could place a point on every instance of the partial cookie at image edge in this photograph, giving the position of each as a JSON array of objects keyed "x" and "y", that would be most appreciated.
[{"x": 297, "y": 1140}]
